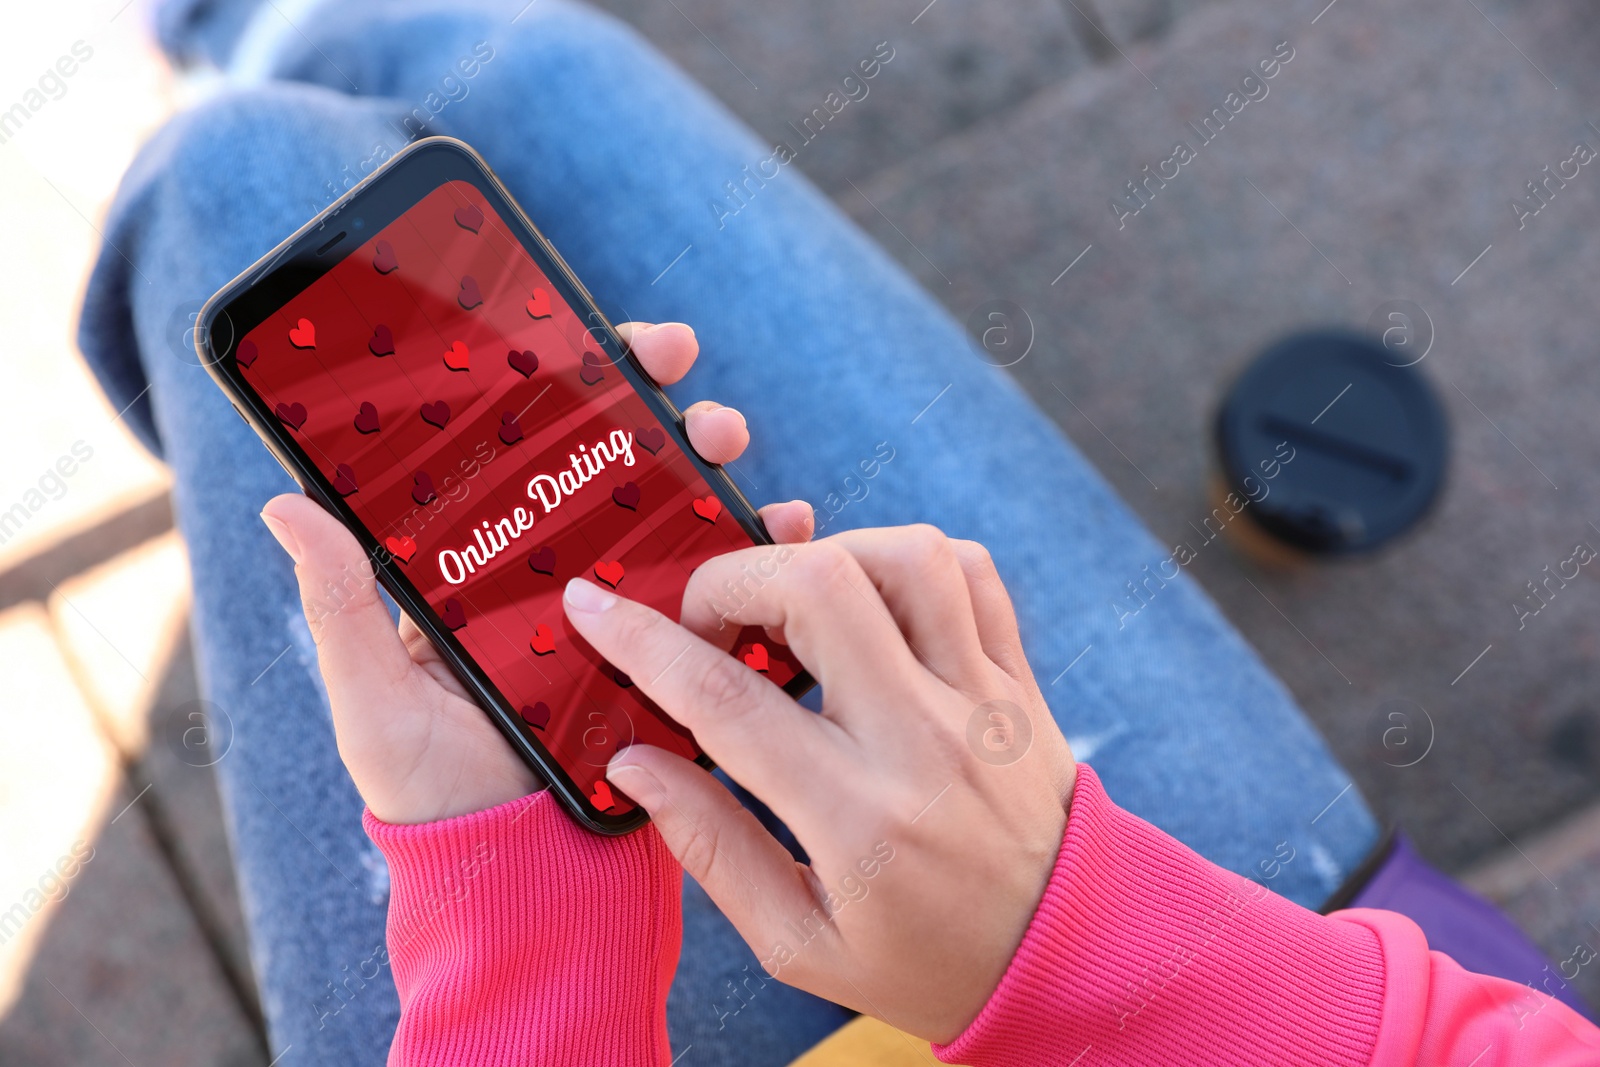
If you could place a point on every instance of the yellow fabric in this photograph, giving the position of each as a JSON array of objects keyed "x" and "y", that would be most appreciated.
[{"x": 866, "y": 1042}]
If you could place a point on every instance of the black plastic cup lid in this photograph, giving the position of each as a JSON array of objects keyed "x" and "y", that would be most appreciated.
[{"x": 1355, "y": 444}]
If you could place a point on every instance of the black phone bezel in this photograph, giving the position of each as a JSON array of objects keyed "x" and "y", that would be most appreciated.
[{"x": 308, "y": 254}]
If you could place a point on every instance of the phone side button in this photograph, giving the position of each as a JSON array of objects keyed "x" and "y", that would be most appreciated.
[
  {"x": 287, "y": 469},
  {"x": 239, "y": 413}
]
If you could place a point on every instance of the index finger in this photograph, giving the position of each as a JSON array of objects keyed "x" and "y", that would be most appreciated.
[
  {"x": 753, "y": 729},
  {"x": 826, "y": 606}
]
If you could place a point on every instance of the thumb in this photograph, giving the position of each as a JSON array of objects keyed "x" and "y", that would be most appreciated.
[
  {"x": 358, "y": 647},
  {"x": 743, "y": 869}
]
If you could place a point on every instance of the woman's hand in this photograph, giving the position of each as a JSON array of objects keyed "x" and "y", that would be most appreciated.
[
  {"x": 930, "y": 794},
  {"x": 417, "y": 745}
]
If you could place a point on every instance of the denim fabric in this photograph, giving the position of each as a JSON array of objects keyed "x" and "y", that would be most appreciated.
[{"x": 832, "y": 351}]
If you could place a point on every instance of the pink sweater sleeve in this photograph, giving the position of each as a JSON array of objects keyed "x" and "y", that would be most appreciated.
[
  {"x": 1141, "y": 952},
  {"x": 517, "y": 937}
]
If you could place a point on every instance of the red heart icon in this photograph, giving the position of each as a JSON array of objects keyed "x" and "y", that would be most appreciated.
[
  {"x": 601, "y": 798},
  {"x": 708, "y": 508},
  {"x": 303, "y": 334},
  {"x": 650, "y": 438},
  {"x": 382, "y": 341},
  {"x": 543, "y": 642},
  {"x": 536, "y": 715},
  {"x": 542, "y": 560},
  {"x": 454, "y": 616},
  {"x": 469, "y": 217},
  {"x": 344, "y": 479},
  {"x": 510, "y": 428},
  {"x": 401, "y": 548},
  {"x": 756, "y": 659},
  {"x": 610, "y": 572},
  {"x": 469, "y": 297},
  {"x": 293, "y": 415},
  {"x": 436, "y": 412},
  {"x": 591, "y": 374},
  {"x": 383, "y": 258},
  {"x": 246, "y": 353},
  {"x": 456, "y": 356},
  {"x": 367, "y": 418},
  {"x": 538, "y": 304}
]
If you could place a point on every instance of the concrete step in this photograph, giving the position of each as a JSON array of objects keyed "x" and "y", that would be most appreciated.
[
  {"x": 1379, "y": 166},
  {"x": 96, "y": 937},
  {"x": 123, "y": 628}
]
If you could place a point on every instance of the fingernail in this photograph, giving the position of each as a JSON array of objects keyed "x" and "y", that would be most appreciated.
[
  {"x": 638, "y": 783},
  {"x": 284, "y": 536},
  {"x": 586, "y": 596}
]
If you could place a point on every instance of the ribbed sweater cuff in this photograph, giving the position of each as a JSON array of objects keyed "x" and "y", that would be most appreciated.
[
  {"x": 1141, "y": 952},
  {"x": 515, "y": 936}
]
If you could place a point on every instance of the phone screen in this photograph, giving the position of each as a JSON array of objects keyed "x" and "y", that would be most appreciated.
[{"x": 463, "y": 411}]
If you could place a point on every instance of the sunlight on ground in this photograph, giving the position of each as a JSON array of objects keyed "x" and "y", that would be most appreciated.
[
  {"x": 118, "y": 621},
  {"x": 57, "y": 775},
  {"x": 58, "y": 173},
  {"x": 69, "y": 464}
]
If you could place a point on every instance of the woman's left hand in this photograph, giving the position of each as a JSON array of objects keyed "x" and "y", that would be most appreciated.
[{"x": 418, "y": 747}]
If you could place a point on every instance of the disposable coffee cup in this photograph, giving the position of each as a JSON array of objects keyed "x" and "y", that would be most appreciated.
[{"x": 1333, "y": 446}]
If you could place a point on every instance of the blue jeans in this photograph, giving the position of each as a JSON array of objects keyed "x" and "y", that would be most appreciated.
[{"x": 805, "y": 324}]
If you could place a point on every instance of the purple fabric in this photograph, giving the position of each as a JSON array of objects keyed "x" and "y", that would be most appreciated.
[{"x": 1461, "y": 924}]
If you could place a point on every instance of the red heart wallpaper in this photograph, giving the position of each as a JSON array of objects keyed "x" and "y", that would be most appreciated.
[{"x": 455, "y": 400}]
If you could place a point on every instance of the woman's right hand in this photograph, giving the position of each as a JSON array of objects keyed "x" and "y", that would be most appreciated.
[{"x": 931, "y": 793}]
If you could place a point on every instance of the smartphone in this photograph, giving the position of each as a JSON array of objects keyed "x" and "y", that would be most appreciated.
[{"x": 424, "y": 364}]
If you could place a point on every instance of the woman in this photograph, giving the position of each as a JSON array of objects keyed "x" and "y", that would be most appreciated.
[{"x": 836, "y": 357}]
